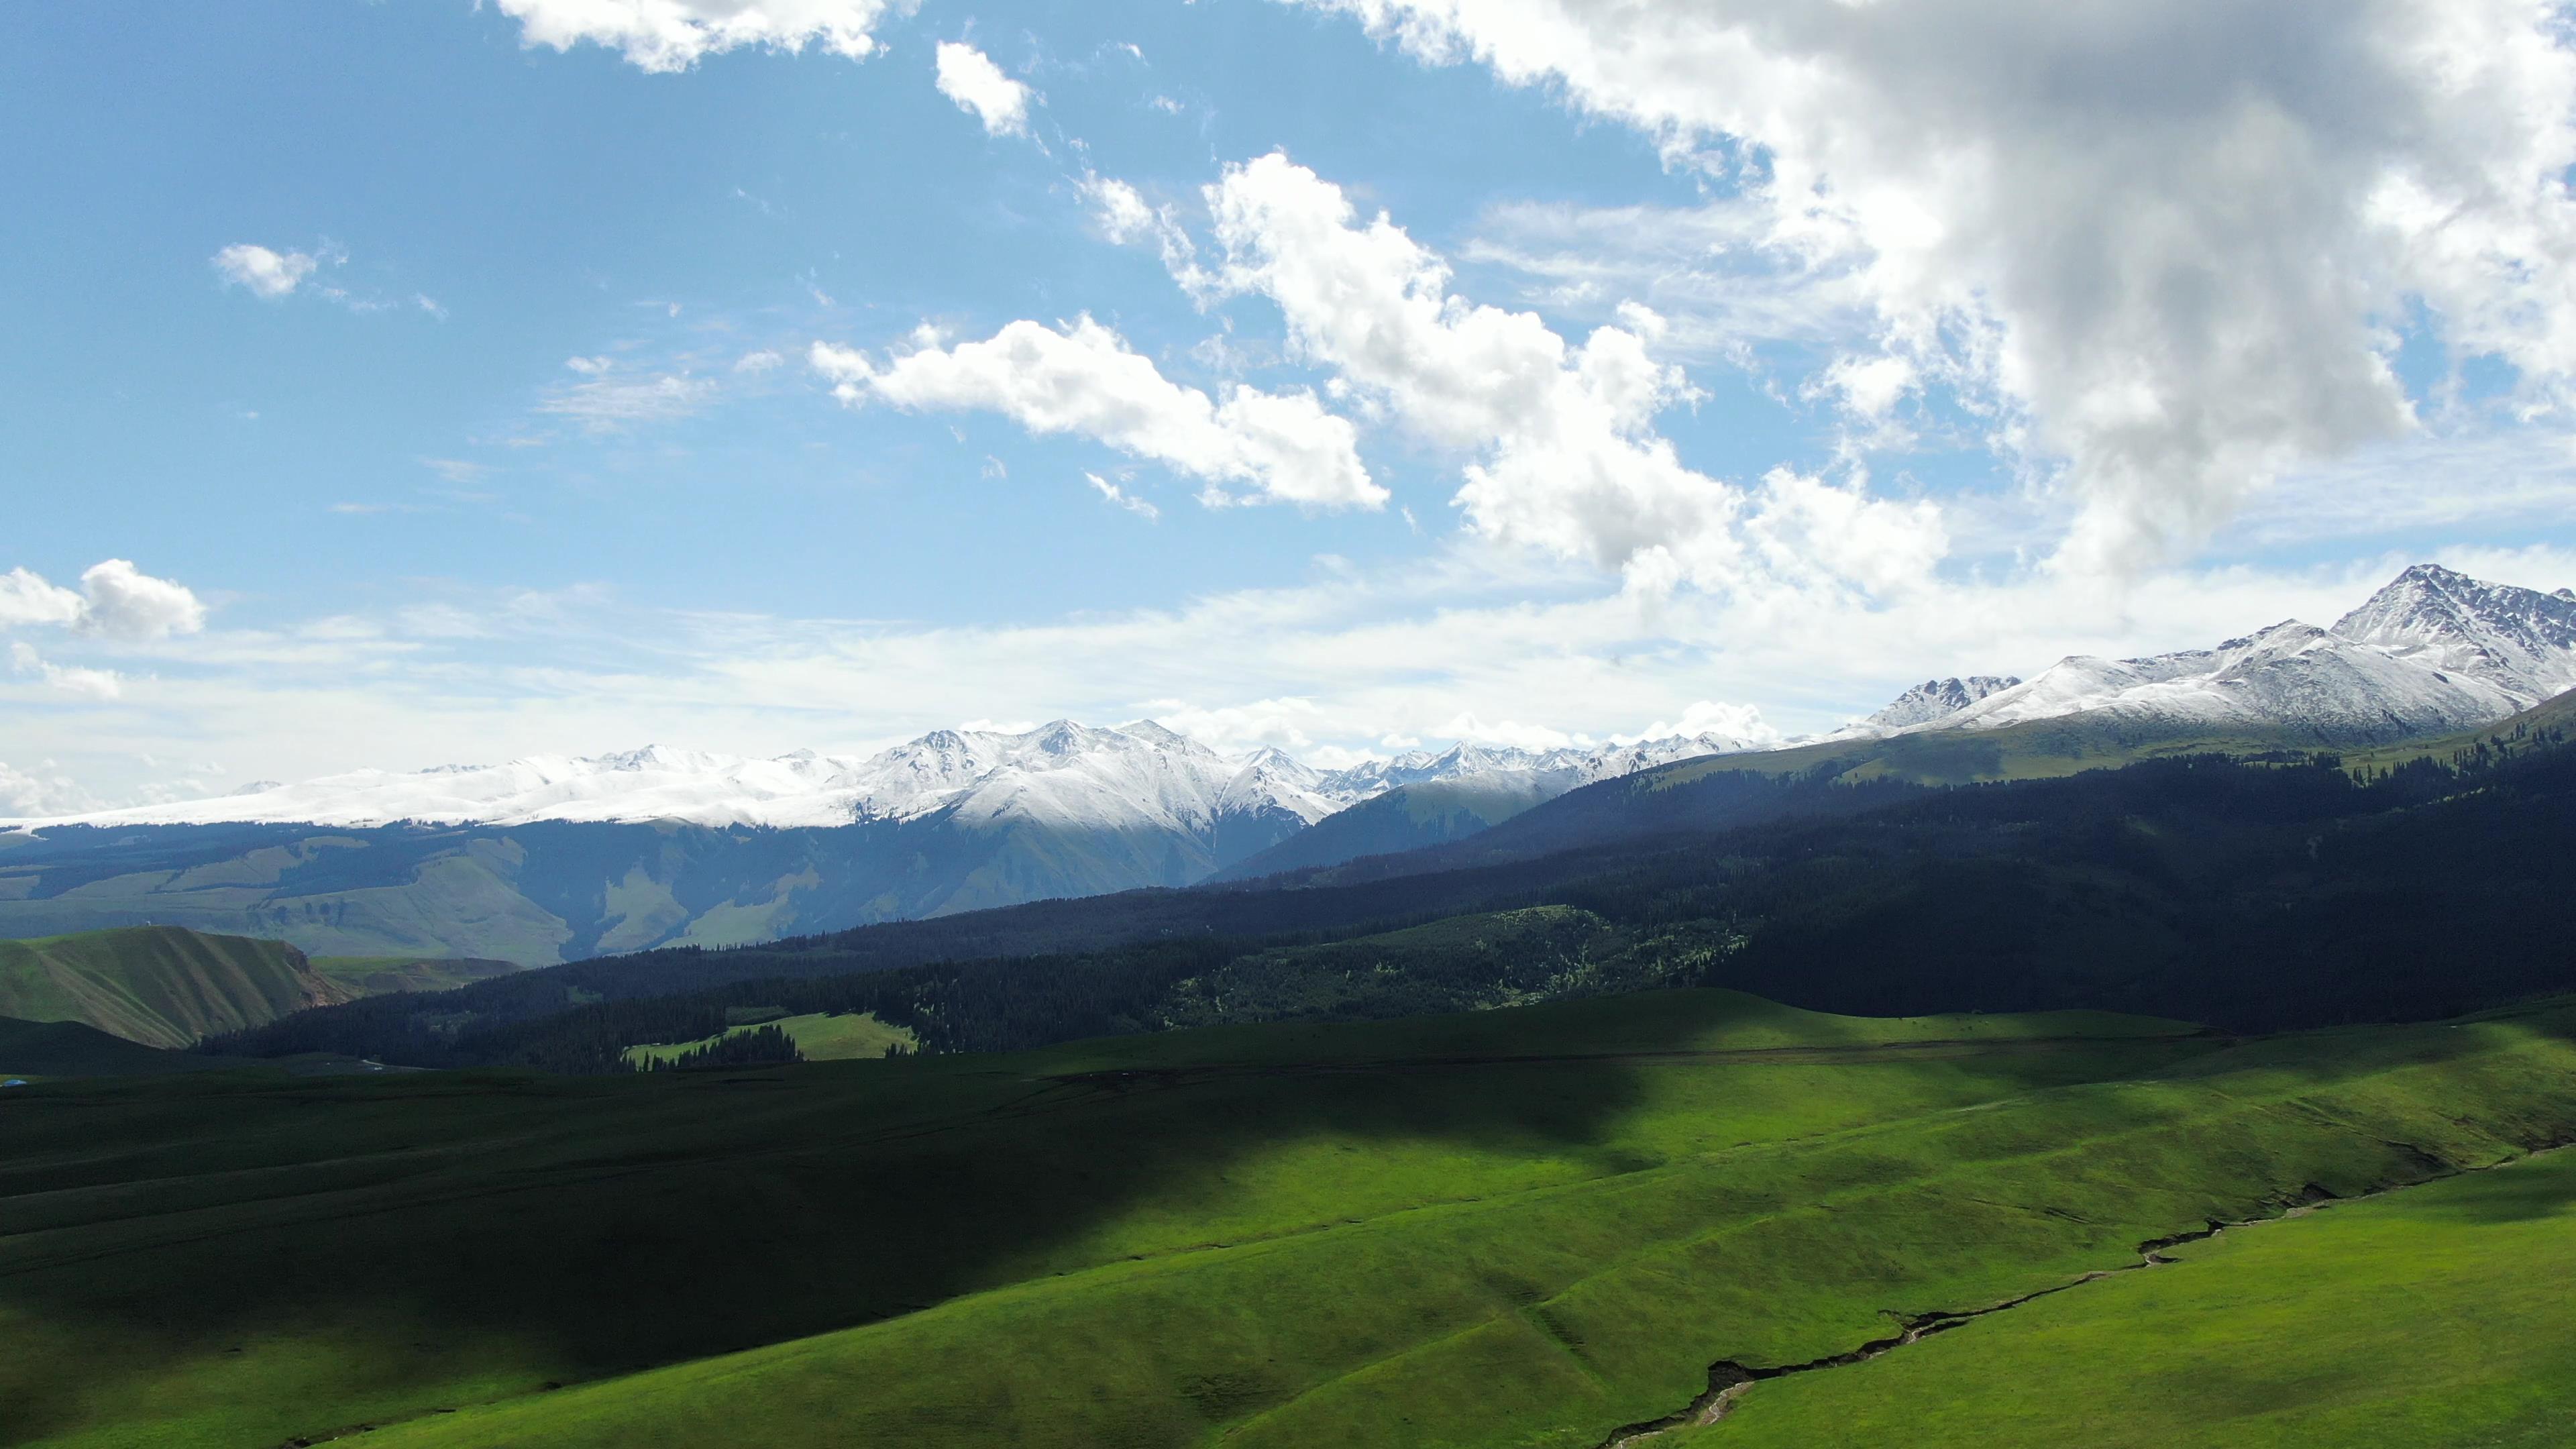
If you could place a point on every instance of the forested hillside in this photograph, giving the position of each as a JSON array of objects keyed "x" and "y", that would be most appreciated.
[{"x": 2254, "y": 896}]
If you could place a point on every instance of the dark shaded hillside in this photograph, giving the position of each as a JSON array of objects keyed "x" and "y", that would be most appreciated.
[
  {"x": 1407, "y": 818},
  {"x": 71, "y": 1049},
  {"x": 2252, "y": 896},
  {"x": 552, "y": 891}
]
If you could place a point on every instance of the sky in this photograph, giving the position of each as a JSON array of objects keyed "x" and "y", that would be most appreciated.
[{"x": 396, "y": 384}]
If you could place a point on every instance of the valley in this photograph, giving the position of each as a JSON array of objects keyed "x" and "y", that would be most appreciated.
[{"x": 1519, "y": 1226}]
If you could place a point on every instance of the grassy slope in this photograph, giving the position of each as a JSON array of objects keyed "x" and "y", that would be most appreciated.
[
  {"x": 850, "y": 1036},
  {"x": 2549, "y": 715},
  {"x": 1516, "y": 1227},
  {"x": 2433, "y": 1317},
  {"x": 158, "y": 985},
  {"x": 383, "y": 975}
]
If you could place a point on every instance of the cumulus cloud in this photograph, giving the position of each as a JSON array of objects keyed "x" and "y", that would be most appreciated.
[
  {"x": 115, "y": 599},
  {"x": 1742, "y": 723},
  {"x": 671, "y": 35},
  {"x": 969, "y": 77},
  {"x": 1245, "y": 445},
  {"x": 123, "y": 601},
  {"x": 2167, "y": 244},
  {"x": 26, "y": 598},
  {"x": 268, "y": 275},
  {"x": 1567, "y": 457}
]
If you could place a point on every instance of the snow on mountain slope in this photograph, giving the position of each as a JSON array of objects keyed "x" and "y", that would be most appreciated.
[
  {"x": 2433, "y": 651},
  {"x": 2521, "y": 640},
  {"x": 1062, "y": 776},
  {"x": 1936, "y": 699}
]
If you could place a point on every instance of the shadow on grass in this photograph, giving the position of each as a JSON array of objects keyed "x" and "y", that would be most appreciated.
[{"x": 597, "y": 1226}]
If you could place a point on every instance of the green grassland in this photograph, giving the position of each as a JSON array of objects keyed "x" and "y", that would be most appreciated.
[
  {"x": 158, "y": 985},
  {"x": 2436, "y": 1316},
  {"x": 822, "y": 1037},
  {"x": 1513, "y": 1227}
]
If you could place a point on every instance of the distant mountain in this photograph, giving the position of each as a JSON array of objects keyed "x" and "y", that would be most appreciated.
[
  {"x": 2432, "y": 655},
  {"x": 2433, "y": 651},
  {"x": 550, "y": 859},
  {"x": 159, "y": 985},
  {"x": 1936, "y": 699},
  {"x": 1423, "y": 799}
]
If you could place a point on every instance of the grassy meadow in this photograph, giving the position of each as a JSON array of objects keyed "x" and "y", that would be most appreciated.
[
  {"x": 2432, "y": 1317},
  {"x": 1516, "y": 1227},
  {"x": 823, "y": 1037}
]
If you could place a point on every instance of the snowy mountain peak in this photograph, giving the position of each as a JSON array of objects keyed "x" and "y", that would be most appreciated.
[
  {"x": 2521, "y": 640},
  {"x": 1938, "y": 699}
]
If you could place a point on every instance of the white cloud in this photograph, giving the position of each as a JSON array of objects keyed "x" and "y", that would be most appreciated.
[
  {"x": 1124, "y": 499},
  {"x": 128, "y": 603},
  {"x": 1281, "y": 447},
  {"x": 969, "y": 77},
  {"x": 589, "y": 366},
  {"x": 757, "y": 362},
  {"x": 269, "y": 275},
  {"x": 1567, "y": 458},
  {"x": 86, "y": 683},
  {"x": 2165, "y": 242},
  {"x": 1869, "y": 388},
  {"x": 671, "y": 35},
  {"x": 23, "y": 794},
  {"x": 1509, "y": 733},
  {"x": 1360, "y": 658},
  {"x": 26, "y": 598},
  {"x": 1712, "y": 717},
  {"x": 115, "y": 599}
]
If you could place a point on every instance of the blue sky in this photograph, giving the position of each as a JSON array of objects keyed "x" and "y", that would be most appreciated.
[{"x": 537, "y": 451}]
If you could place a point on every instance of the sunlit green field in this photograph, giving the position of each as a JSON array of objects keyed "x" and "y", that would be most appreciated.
[
  {"x": 1513, "y": 1228},
  {"x": 848, "y": 1036},
  {"x": 2439, "y": 1315}
]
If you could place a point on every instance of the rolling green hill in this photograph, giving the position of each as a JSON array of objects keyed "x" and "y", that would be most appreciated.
[
  {"x": 159, "y": 985},
  {"x": 1520, "y": 1227},
  {"x": 2432, "y": 1317}
]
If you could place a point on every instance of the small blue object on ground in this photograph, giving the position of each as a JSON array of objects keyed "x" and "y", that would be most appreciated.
[{"x": 14, "y": 1082}]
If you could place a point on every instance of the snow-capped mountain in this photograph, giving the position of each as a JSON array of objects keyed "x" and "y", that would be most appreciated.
[
  {"x": 2434, "y": 651},
  {"x": 2520, "y": 640},
  {"x": 1061, "y": 774},
  {"x": 1937, "y": 699},
  {"x": 552, "y": 858}
]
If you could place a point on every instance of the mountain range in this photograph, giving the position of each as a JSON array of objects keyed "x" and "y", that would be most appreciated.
[{"x": 553, "y": 858}]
